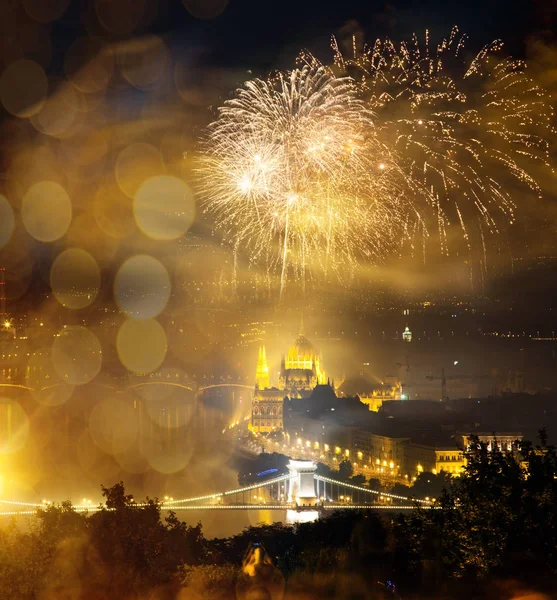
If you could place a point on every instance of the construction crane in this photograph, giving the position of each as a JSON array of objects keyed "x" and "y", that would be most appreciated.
[{"x": 444, "y": 378}]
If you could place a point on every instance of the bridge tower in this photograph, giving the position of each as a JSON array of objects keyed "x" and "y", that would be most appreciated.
[{"x": 301, "y": 489}]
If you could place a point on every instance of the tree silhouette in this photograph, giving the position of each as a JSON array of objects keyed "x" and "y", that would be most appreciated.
[{"x": 345, "y": 470}]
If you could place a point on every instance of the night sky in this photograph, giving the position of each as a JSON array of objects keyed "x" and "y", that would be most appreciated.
[
  {"x": 267, "y": 35},
  {"x": 241, "y": 39}
]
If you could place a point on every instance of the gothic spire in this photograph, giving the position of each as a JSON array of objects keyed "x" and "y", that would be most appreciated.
[{"x": 302, "y": 332}]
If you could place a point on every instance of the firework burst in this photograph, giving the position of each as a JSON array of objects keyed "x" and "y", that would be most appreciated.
[
  {"x": 293, "y": 169},
  {"x": 323, "y": 166},
  {"x": 472, "y": 134}
]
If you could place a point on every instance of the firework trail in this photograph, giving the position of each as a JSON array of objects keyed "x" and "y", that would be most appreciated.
[
  {"x": 322, "y": 167},
  {"x": 292, "y": 168},
  {"x": 471, "y": 133}
]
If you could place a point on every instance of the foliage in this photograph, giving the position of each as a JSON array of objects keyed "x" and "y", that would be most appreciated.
[
  {"x": 210, "y": 581},
  {"x": 374, "y": 484},
  {"x": 279, "y": 540},
  {"x": 358, "y": 480},
  {"x": 427, "y": 485},
  {"x": 118, "y": 552},
  {"x": 345, "y": 470},
  {"x": 498, "y": 517}
]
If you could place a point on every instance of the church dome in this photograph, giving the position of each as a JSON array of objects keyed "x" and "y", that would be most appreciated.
[
  {"x": 301, "y": 367},
  {"x": 301, "y": 350}
]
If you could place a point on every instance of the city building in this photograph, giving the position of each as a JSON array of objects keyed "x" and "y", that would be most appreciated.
[
  {"x": 262, "y": 373},
  {"x": 301, "y": 369},
  {"x": 504, "y": 441},
  {"x": 389, "y": 390},
  {"x": 382, "y": 455},
  {"x": 373, "y": 395},
  {"x": 300, "y": 373},
  {"x": 418, "y": 458},
  {"x": 450, "y": 460},
  {"x": 446, "y": 453},
  {"x": 267, "y": 410},
  {"x": 267, "y": 404}
]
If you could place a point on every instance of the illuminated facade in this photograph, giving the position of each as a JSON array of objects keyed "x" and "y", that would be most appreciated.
[
  {"x": 301, "y": 368},
  {"x": 266, "y": 410},
  {"x": 262, "y": 373},
  {"x": 407, "y": 334},
  {"x": 450, "y": 461},
  {"x": 267, "y": 405},
  {"x": 380, "y": 456},
  {"x": 504, "y": 441},
  {"x": 388, "y": 391},
  {"x": 450, "y": 458},
  {"x": 300, "y": 371}
]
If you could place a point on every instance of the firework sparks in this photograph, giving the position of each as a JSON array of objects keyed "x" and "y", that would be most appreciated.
[
  {"x": 293, "y": 169},
  {"x": 471, "y": 134},
  {"x": 323, "y": 166}
]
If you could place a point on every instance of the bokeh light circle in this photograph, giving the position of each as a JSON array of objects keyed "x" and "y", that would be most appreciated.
[
  {"x": 113, "y": 211},
  {"x": 59, "y": 115},
  {"x": 132, "y": 460},
  {"x": 142, "y": 287},
  {"x": 46, "y": 211},
  {"x": 88, "y": 65},
  {"x": 23, "y": 88},
  {"x": 87, "y": 147},
  {"x": 113, "y": 425},
  {"x": 144, "y": 63},
  {"x": 135, "y": 164},
  {"x": 120, "y": 16},
  {"x": 205, "y": 9},
  {"x": 47, "y": 388},
  {"x": 169, "y": 462},
  {"x": 164, "y": 207},
  {"x": 17, "y": 422},
  {"x": 45, "y": 11},
  {"x": 7, "y": 221},
  {"x": 75, "y": 278},
  {"x": 141, "y": 345},
  {"x": 76, "y": 355}
]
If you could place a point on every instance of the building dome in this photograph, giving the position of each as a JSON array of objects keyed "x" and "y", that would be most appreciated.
[
  {"x": 301, "y": 367},
  {"x": 301, "y": 350}
]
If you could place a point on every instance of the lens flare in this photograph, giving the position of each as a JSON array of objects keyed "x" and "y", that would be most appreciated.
[
  {"x": 76, "y": 355},
  {"x": 7, "y": 221},
  {"x": 164, "y": 207},
  {"x": 142, "y": 287},
  {"x": 75, "y": 278},
  {"x": 141, "y": 345},
  {"x": 46, "y": 211}
]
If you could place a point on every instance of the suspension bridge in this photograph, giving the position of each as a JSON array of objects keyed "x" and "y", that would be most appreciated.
[{"x": 299, "y": 490}]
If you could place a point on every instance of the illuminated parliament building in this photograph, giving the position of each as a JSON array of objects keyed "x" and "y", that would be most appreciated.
[{"x": 301, "y": 370}]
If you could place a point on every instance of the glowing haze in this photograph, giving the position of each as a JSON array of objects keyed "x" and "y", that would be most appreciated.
[
  {"x": 322, "y": 166},
  {"x": 293, "y": 168}
]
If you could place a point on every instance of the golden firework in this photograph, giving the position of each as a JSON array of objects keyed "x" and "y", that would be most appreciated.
[
  {"x": 293, "y": 169},
  {"x": 472, "y": 134},
  {"x": 323, "y": 166}
]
